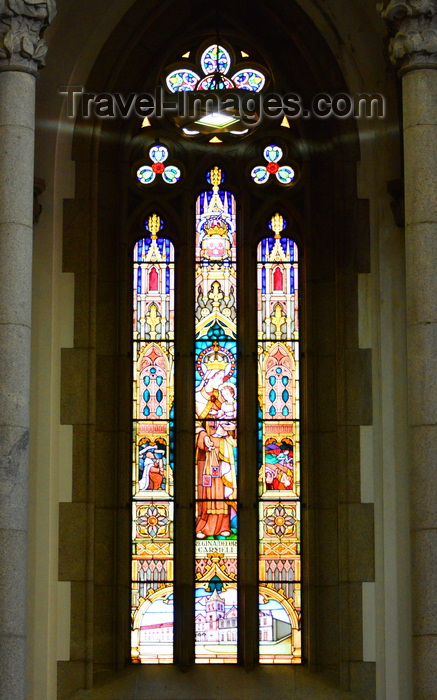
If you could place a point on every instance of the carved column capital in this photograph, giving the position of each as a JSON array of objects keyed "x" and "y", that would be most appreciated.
[
  {"x": 22, "y": 25},
  {"x": 412, "y": 25}
]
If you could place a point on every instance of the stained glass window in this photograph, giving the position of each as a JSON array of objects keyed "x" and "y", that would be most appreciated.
[
  {"x": 182, "y": 80},
  {"x": 215, "y": 61},
  {"x": 284, "y": 173},
  {"x": 249, "y": 79},
  {"x": 217, "y": 588},
  {"x": 279, "y": 448},
  {"x": 152, "y": 447},
  {"x": 216, "y": 605}
]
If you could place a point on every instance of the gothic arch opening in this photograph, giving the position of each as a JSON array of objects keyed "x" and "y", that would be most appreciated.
[{"x": 331, "y": 225}]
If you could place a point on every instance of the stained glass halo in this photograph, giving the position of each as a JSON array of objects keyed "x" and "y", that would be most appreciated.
[
  {"x": 215, "y": 76},
  {"x": 216, "y": 357}
]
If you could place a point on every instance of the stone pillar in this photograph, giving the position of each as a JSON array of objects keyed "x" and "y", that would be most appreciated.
[
  {"x": 413, "y": 48},
  {"x": 22, "y": 52}
]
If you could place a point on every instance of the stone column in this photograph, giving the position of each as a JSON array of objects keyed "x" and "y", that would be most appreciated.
[
  {"x": 22, "y": 51},
  {"x": 413, "y": 48}
]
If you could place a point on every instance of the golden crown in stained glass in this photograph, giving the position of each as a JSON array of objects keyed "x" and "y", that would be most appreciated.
[
  {"x": 217, "y": 228},
  {"x": 216, "y": 359}
]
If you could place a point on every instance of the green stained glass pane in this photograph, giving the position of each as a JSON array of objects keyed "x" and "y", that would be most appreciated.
[
  {"x": 171, "y": 174},
  {"x": 260, "y": 174},
  {"x": 273, "y": 153},
  {"x": 285, "y": 175},
  {"x": 145, "y": 175}
]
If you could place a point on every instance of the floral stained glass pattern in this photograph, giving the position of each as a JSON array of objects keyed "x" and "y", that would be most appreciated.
[
  {"x": 152, "y": 447},
  {"x": 182, "y": 80},
  {"x": 249, "y": 79},
  {"x": 158, "y": 154},
  {"x": 279, "y": 445},
  {"x": 284, "y": 173},
  {"x": 215, "y": 64},
  {"x": 215, "y": 58},
  {"x": 216, "y": 573}
]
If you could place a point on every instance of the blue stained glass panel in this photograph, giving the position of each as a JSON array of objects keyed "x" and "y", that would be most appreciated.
[
  {"x": 249, "y": 79},
  {"x": 182, "y": 80},
  {"x": 206, "y": 353},
  {"x": 215, "y": 58}
]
